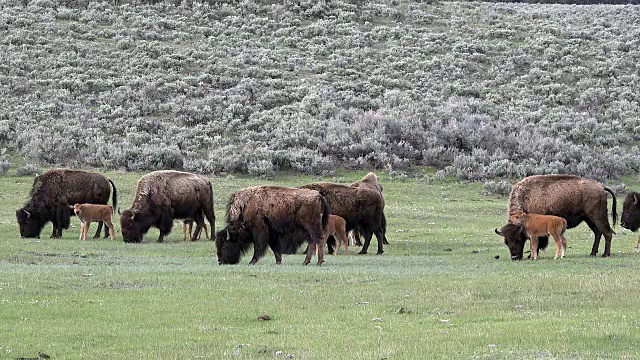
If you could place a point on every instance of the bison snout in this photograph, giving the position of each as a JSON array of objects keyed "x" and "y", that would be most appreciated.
[{"x": 515, "y": 257}]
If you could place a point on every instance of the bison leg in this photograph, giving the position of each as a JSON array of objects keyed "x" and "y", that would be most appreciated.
[
  {"x": 320, "y": 247},
  {"x": 534, "y": 247},
  {"x": 260, "y": 242},
  {"x": 109, "y": 225},
  {"x": 597, "y": 236},
  {"x": 310, "y": 249},
  {"x": 199, "y": 223},
  {"x": 380, "y": 238},
  {"x": 367, "y": 240}
]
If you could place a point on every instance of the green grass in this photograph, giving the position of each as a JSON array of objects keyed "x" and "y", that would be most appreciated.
[{"x": 437, "y": 292}]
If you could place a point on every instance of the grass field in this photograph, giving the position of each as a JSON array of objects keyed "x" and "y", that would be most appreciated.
[{"x": 437, "y": 292}]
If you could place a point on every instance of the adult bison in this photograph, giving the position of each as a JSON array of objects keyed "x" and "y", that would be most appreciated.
[
  {"x": 369, "y": 181},
  {"x": 53, "y": 192},
  {"x": 362, "y": 208},
  {"x": 631, "y": 213},
  {"x": 267, "y": 215},
  {"x": 574, "y": 198},
  {"x": 162, "y": 196}
]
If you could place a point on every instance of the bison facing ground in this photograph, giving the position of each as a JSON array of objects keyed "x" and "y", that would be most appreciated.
[
  {"x": 53, "y": 192},
  {"x": 267, "y": 216},
  {"x": 161, "y": 197},
  {"x": 631, "y": 214},
  {"x": 573, "y": 198}
]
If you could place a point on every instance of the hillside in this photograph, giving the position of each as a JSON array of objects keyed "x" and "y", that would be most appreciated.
[{"x": 478, "y": 90}]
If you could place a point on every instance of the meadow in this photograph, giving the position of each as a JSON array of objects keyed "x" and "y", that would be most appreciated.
[{"x": 438, "y": 291}]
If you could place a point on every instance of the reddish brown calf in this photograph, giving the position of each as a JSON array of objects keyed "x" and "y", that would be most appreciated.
[
  {"x": 536, "y": 225},
  {"x": 93, "y": 212}
]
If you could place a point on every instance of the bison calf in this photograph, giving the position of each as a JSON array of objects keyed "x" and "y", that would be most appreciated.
[
  {"x": 336, "y": 227},
  {"x": 93, "y": 212},
  {"x": 188, "y": 223},
  {"x": 536, "y": 225}
]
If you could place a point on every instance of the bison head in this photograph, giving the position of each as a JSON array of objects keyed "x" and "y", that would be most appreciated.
[
  {"x": 631, "y": 212},
  {"x": 514, "y": 238},
  {"x": 30, "y": 221},
  {"x": 132, "y": 226},
  {"x": 231, "y": 244}
]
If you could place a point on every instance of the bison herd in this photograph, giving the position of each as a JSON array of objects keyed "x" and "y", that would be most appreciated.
[{"x": 284, "y": 218}]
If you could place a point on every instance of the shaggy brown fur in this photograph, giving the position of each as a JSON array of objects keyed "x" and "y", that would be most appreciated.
[
  {"x": 573, "y": 198},
  {"x": 361, "y": 208},
  {"x": 265, "y": 216},
  {"x": 631, "y": 214},
  {"x": 161, "y": 197},
  {"x": 536, "y": 225},
  {"x": 93, "y": 212},
  {"x": 54, "y": 191},
  {"x": 369, "y": 181}
]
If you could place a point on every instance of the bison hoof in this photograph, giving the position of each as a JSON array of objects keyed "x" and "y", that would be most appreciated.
[
  {"x": 606, "y": 255},
  {"x": 320, "y": 263},
  {"x": 380, "y": 252},
  {"x": 362, "y": 253}
]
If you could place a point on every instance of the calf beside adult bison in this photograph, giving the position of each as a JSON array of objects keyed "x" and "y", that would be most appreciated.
[
  {"x": 53, "y": 192},
  {"x": 161, "y": 197},
  {"x": 272, "y": 216},
  {"x": 573, "y": 198}
]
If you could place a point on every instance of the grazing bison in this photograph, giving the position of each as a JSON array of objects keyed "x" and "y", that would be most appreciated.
[
  {"x": 267, "y": 216},
  {"x": 573, "y": 198},
  {"x": 631, "y": 214},
  {"x": 93, "y": 212},
  {"x": 53, "y": 192},
  {"x": 536, "y": 225},
  {"x": 361, "y": 208},
  {"x": 369, "y": 181},
  {"x": 162, "y": 196}
]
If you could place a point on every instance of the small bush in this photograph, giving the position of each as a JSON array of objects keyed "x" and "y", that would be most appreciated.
[
  {"x": 500, "y": 188},
  {"x": 28, "y": 170}
]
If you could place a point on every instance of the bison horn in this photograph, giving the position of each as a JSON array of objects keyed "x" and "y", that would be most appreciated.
[
  {"x": 28, "y": 213},
  {"x": 635, "y": 199},
  {"x": 228, "y": 235},
  {"x": 498, "y": 232},
  {"x": 119, "y": 213}
]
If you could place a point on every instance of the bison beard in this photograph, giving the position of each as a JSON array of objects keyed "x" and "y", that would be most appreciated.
[
  {"x": 271, "y": 216},
  {"x": 53, "y": 192}
]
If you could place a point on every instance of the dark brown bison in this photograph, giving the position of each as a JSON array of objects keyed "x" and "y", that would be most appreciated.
[
  {"x": 267, "y": 215},
  {"x": 53, "y": 192},
  {"x": 631, "y": 214},
  {"x": 369, "y": 181},
  {"x": 573, "y": 198},
  {"x": 162, "y": 196},
  {"x": 362, "y": 208}
]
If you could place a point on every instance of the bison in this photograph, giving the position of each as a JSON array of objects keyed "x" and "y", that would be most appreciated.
[
  {"x": 573, "y": 198},
  {"x": 162, "y": 196},
  {"x": 362, "y": 209},
  {"x": 536, "y": 225},
  {"x": 631, "y": 214},
  {"x": 336, "y": 227},
  {"x": 268, "y": 216},
  {"x": 93, "y": 212},
  {"x": 369, "y": 181},
  {"x": 187, "y": 227},
  {"x": 53, "y": 192}
]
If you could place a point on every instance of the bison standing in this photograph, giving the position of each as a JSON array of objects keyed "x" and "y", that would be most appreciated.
[
  {"x": 53, "y": 192},
  {"x": 265, "y": 216},
  {"x": 573, "y": 198},
  {"x": 369, "y": 181},
  {"x": 362, "y": 209},
  {"x": 162, "y": 196}
]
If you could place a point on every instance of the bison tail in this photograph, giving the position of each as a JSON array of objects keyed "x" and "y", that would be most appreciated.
[
  {"x": 614, "y": 213},
  {"x": 325, "y": 211},
  {"x": 114, "y": 197}
]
